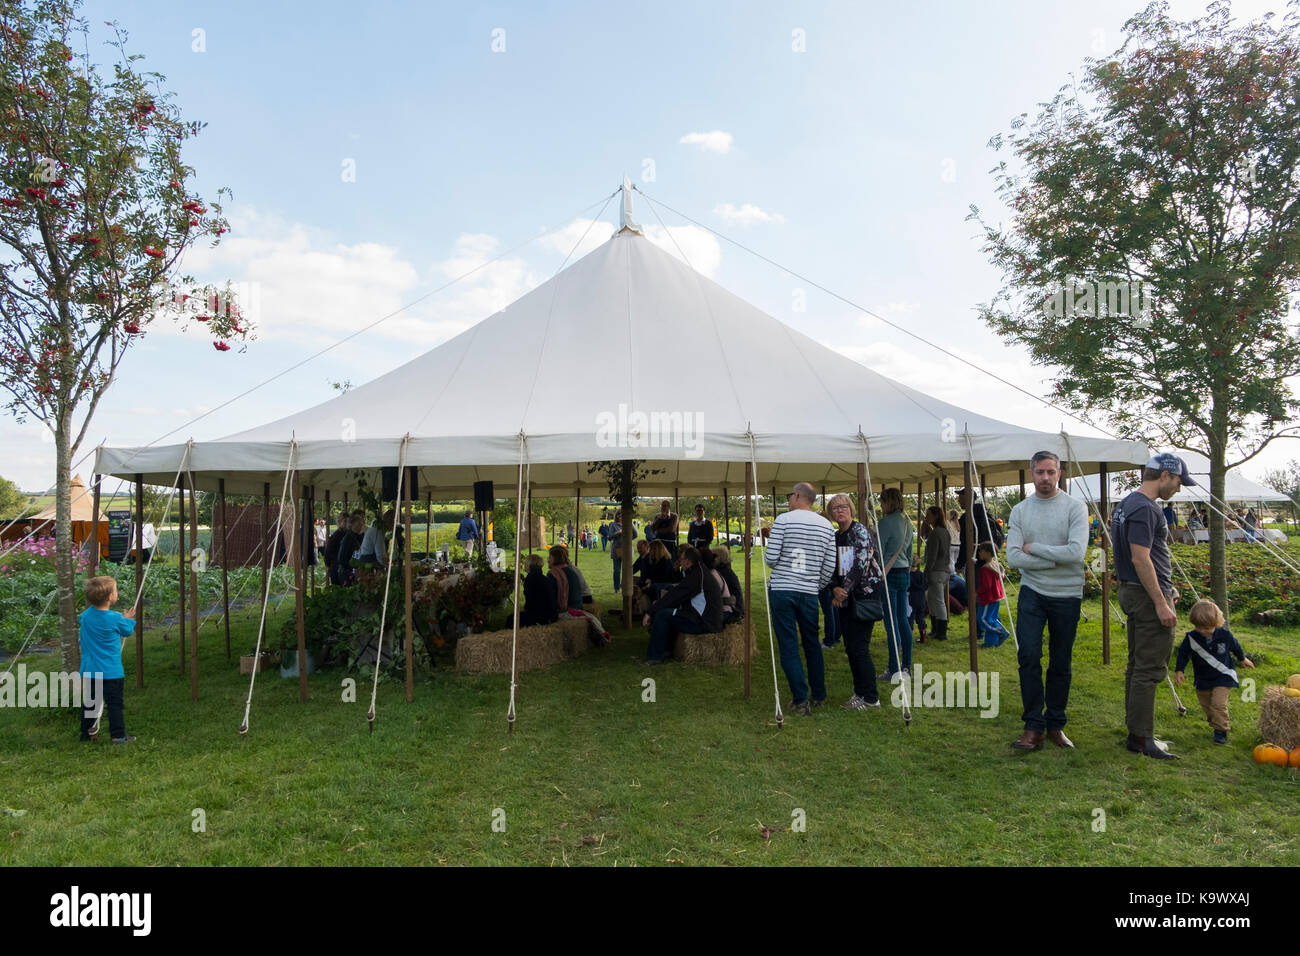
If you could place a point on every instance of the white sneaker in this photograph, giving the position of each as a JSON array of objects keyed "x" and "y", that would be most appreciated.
[{"x": 855, "y": 703}]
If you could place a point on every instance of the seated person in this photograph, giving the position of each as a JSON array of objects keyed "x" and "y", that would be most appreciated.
[
  {"x": 722, "y": 564},
  {"x": 638, "y": 566},
  {"x": 576, "y": 591},
  {"x": 709, "y": 560},
  {"x": 693, "y": 606},
  {"x": 658, "y": 573},
  {"x": 539, "y": 595}
]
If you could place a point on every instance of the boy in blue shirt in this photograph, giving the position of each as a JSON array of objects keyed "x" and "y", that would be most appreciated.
[
  {"x": 102, "y": 634},
  {"x": 1211, "y": 648}
]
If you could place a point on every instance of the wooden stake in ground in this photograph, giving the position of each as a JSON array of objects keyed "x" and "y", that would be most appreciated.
[
  {"x": 139, "y": 580},
  {"x": 406, "y": 580},
  {"x": 194, "y": 593},
  {"x": 225, "y": 563}
]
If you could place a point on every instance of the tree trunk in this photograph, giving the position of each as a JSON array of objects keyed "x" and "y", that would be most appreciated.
[
  {"x": 65, "y": 557},
  {"x": 1218, "y": 550}
]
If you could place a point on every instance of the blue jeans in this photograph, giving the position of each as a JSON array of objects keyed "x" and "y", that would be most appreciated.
[
  {"x": 1061, "y": 616},
  {"x": 794, "y": 619},
  {"x": 898, "y": 627},
  {"x": 830, "y": 616},
  {"x": 618, "y": 573},
  {"x": 604, "y": 543},
  {"x": 662, "y": 628},
  {"x": 991, "y": 630}
]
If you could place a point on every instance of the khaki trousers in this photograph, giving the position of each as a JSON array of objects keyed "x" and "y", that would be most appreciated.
[
  {"x": 1149, "y": 645},
  {"x": 1215, "y": 704}
]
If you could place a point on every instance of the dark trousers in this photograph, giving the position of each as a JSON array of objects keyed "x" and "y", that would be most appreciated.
[
  {"x": 1149, "y": 645},
  {"x": 108, "y": 693},
  {"x": 662, "y": 628},
  {"x": 832, "y": 626},
  {"x": 857, "y": 642},
  {"x": 1061, "y": 617},
  {"x": 794, "y": 619}
]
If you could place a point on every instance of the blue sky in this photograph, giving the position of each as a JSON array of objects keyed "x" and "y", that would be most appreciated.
[{"x": 853, "y": 161}]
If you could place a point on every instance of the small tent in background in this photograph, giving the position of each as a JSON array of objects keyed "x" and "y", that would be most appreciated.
[{"x": 83, "y": 518}]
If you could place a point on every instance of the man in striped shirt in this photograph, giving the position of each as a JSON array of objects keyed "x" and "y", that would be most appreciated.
[{"x": 801, "y": 554}]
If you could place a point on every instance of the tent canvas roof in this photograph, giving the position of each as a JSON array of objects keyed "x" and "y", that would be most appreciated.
[
  {"x": 1237, "y": 487},
  {"x": 83, "y": 506},
  {"x": 676, "y": 371}
]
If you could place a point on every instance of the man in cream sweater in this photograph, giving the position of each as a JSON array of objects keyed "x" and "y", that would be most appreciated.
[{"x": 1047, "y": 541}]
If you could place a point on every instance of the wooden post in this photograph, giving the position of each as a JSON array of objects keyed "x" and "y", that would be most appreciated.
[
  {"x": 862, "y": 494},
  {"x": 972, "y": 602},
  {"x": 309, "y": 540},
  {"x": 1063, "y": 482},
  {"x": 677, "y": 537},
  {"x": 194, "y": 594},
  {"x": 266, "y": 532},
  {"x": 180, "y": 570},
  {"x": 920, "y": 515},
  {"x": 139, "y": 580},
  {"x": 94, "y": 532},
  {"x": 406, "y": 578},
  {"x": 726, "y": 522},
  {"x": 1022, "y": 484},
  {"x": 625, "y": 586},
  {"x": 225, "y": 563},
  {"x": 577, "y": 525},
  {"x": 749, "y": 591},
  {"x": 299, "y": 582},
  {"x": 773, "y": 496},
  {"x": 1104, "y": 498},
  {"x": 529, "y": 492},
  {"x": 824, "y": 511},
  {"x": 428, "y": 522}
]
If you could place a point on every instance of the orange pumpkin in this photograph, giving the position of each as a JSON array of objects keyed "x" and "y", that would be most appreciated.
[
  {"x": 1271, "y": 753},
  {"x": 1295, "y": 758}
]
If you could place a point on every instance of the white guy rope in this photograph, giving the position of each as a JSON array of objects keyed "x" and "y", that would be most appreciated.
[
  {"x": 767, "y": 601},
  {"x": 514, "y": 640},
  {"x": 997, "y": 565},
  {"x": 257, "y": 649},
  {"x": 388, "y": 578}
]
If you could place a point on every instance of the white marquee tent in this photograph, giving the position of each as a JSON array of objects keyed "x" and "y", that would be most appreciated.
[
  {"x": 676, "y": 370},
  {"x": 1238, "y": 489}
]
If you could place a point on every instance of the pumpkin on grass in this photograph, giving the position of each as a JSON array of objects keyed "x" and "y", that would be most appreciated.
[
  {"x": 1295, "y": 758},
  {"x": 1271, "y": 753},
  {"x": 1293, "y": 681}
]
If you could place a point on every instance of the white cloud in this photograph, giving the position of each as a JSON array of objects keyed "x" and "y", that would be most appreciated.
[
  {"x": 746, "y": 215},
  {"x": 696, "y": 247},
  {"x": 714, "y": 141},
  {"x": 585, "y": 234}
]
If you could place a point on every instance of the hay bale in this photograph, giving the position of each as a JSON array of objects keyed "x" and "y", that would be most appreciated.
[
  {"x": 489, "y": 653},
  {"x": 725, "y": 647},
  {"x": 575, "y": 631},
  {"x": 1279, "y": 718}
]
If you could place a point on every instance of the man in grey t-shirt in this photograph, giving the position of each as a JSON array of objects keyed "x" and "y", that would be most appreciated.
[
  {"x": 1047, "y": 539},
  {"x": 1147, "y": 596}
]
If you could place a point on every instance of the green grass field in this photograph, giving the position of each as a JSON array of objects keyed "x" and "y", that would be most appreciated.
[{"x": 595, "y": 775}]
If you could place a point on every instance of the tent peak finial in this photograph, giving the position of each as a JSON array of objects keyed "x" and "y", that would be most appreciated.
[{"x": 625, "y": 221}]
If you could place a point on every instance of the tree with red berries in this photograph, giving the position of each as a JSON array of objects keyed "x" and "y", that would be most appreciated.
[
  {"x": 1154, "y": 238},
  {"x": 96, "y": 213}
]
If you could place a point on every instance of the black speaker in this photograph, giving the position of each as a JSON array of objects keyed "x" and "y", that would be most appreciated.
[
  {"x": 391, "y": 489},
  {"x": 483, "y": 496}
]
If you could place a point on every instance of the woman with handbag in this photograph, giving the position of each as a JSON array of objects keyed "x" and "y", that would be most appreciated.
[{"x": 856, "y": 589}]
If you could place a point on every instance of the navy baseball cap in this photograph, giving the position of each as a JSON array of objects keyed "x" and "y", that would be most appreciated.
[{"x": 1174, "y": 465}]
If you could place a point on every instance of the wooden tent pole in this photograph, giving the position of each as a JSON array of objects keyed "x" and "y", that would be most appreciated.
[
  {"x": 428, "y": 521},
  {"x": 299, "y": 582},
  {"x": 749, "y": 595},
  {"x": 180, "y": 575},
  {"x": 1022, "y": 484},
  {"x": 529, "y": 492},
  {"x": 266, "y": 559},
  {"x": 1104, "y": 484},
  {"x": 225, "y": 562},
  {"x": 94, "y": 532},
  {"x": 406, "y": 579},
  {"x": 577, "y": 525},
  {"x": 139, "y": 580},
  {"x": 625, "y": 585},
  {"x": 309, "y": 536},
  {"x": 194, "y": 595},
  {"x": 972, "y": 600},
  {"x": 726, "y": 520}
]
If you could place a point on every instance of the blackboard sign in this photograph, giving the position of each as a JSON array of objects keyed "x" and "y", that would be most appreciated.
[{"x": 119, "y": 535}]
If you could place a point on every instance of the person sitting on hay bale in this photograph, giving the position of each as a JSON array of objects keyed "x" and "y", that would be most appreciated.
[
  {"x": 693, "y": 606},
  {"x": 576, "y": 593},
  {"x": 722, "y": 564},
  {"x": 658, "y": 573},
  {"x": 539, "y": 595},
  {"x": 710, "y": 562}
]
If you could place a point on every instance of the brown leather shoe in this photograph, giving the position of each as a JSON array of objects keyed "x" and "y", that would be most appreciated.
[
  {"x": 1029, "y": 740},
  {"x": 1057, "y": 736}
]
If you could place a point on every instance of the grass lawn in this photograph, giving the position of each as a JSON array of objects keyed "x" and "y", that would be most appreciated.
[{"x": 594, "y": 775}]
